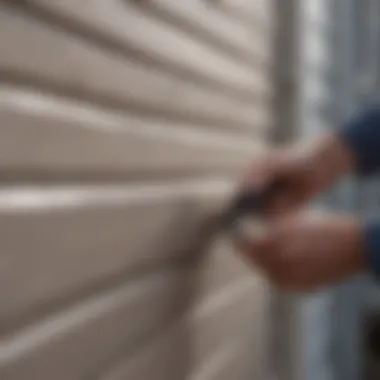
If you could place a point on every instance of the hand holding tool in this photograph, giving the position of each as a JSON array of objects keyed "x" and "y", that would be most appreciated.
[
  {"x": 249, "y": 205},
  {"x": 244, "y": 216}
]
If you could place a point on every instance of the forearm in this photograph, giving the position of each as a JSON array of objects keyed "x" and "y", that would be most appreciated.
[
  {"x": 371, "y": 241},
  {"x": 356, "y": 147},
  {"x": 361, "y": 135},
  {"x": 332, "y": 158}
]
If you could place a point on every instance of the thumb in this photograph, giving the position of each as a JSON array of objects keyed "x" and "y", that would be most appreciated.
[{"x": 254, "y": 247}]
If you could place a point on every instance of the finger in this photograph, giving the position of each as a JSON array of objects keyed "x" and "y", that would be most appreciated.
[
  {"x": 282, "y": 204},
  {"x": 259, "y": 175},
  {"x": 256, "y": 250},
  {"x": 257, "y": 179}
]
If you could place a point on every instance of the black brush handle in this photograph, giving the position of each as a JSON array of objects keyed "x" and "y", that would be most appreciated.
[{"x": 252, "y": 202}]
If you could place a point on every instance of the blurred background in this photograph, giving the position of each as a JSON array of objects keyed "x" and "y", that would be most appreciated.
[{"x": 123, "y": 127}]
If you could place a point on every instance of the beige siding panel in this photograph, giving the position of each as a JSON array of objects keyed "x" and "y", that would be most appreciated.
[
  {"x": 219, "y": 267},
  {"x": 240, "y": 358},
  {"x": 43, "y": 134},
  {"x": 165, "y": 357},
  {"x": 60, "y": 242},
  {"x": 200, "y": 344},
  {"x": 221, "y": 364},
  {"x": 76, "y": 343},
  {"x": 156, "y": 360},
  {"x": 126, "y": 20},
  {"x": 230, "y": 364},
  {"x": 123, "y": 124},
  {"x": 235, "y": 311},
  {"x": 260, "y": 12},
  {"x": 43, "y": 53},
  {"x": 204, "y": 18}
]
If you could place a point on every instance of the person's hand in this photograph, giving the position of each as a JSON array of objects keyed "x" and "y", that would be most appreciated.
[
  {"x": 304, "y": 252},
  {"x": 304, "y": 170}
]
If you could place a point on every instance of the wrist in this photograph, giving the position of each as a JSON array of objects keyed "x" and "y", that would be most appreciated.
[
  {"x": 361, "y": 135},
  {"x": 331, "y": 159},
  {"x": 371, "y": 245},
  {"x": 357, "y": 262}
]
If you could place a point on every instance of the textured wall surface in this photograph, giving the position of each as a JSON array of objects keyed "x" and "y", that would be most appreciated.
[{"x": 122, "y": 126}]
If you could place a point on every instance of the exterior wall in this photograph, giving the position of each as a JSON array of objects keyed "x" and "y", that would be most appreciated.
[{"x": 123, "y": 125}]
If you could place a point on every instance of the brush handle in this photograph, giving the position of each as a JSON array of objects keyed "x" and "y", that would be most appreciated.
[{"x": 252, "y": 202}]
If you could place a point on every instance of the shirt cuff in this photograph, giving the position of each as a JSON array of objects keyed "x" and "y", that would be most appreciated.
[
  {"x": 362, "y": 136},
  {"x": 372, "y": 247}
]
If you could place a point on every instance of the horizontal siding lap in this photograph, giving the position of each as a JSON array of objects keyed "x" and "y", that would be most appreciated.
[
  {"x": 220, "y": 267},
  {"x": 69, "y": 64},
  {"x": 258, "y": 12},
  {"x": 164, "y": 357},
  {"x": 47, "y": 242},
  {"x": 198, "y": 343},
  {"x": 157, "y": 39},
  {"x": 226, "y": 315},
  {"x": 204, "y": 21},
  {"x": 100, "y": 280},
  {"x": 222, "y": 364},
  {"x": 38, "y": 131},
  {"x": 75, "y": 343}
]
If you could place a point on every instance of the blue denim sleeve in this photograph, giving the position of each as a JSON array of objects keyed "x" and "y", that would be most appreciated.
[
  {"x": 362, "y": 135},
  {"x": 372, "y": 247}
]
